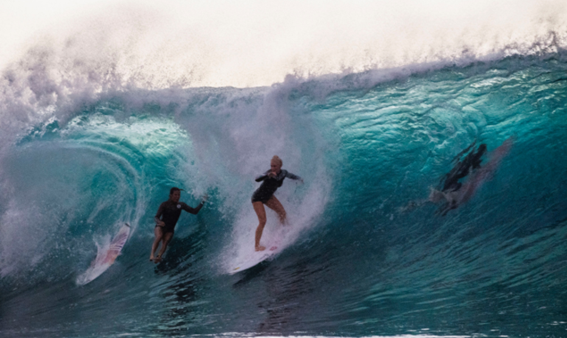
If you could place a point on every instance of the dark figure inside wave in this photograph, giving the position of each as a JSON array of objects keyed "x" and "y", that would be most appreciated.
[
  {"x": 451, "y": 183},
  {"x": 471, "y": 162},
  {"x": 451, "y": 190},
  {"x": 166, "y": 218},
  {"x": 466, "y": 162}
]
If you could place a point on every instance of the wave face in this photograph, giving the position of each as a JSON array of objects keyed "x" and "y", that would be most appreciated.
[{"x": 73, "y": 170}]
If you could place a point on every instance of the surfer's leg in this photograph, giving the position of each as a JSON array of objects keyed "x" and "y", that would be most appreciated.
[
  {"x": 166, "y": 238},
  {"x": 261, "y": 213},
  {"x": 159, "y": 234},
  {"x": 274, "y": 204}
]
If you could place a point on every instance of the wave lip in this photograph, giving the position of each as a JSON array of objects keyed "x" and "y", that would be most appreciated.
[{"x": 155, "y": 47}]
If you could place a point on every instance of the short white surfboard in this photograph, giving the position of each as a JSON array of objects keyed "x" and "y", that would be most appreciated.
[
  {"x": 105, "y": 256},
  {"x": 255, "y": 258}
]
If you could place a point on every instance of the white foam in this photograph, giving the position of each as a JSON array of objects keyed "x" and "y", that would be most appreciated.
[
  {"x": 253, "y": 43},
  {"x": 23, "y": 239},
  {"x": 70, "y": 55}
]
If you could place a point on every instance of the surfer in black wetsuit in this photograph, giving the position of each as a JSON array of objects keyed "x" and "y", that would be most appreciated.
[
  {"x": 450, "y": 182},
  {"x": 166, "y": 219},
  {"x": 271, "y": 181},
  {"x": 462, "y": 168}
]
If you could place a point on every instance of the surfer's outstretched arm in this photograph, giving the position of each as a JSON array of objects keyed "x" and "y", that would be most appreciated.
[
  {"x": 293, "y": 176},
  {"x": 191, "y": 210}
]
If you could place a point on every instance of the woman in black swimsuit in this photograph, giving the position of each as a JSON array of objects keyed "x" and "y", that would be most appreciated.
[
  {"x": 271, "y": 181},
  {"x": 166, "y": 219}
]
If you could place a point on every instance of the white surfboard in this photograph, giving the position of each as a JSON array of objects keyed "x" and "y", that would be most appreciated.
[
  {"x": 255, "y": 258},
  {"x": 105, "y": 256},
  {"x": 274, "y": 245}
]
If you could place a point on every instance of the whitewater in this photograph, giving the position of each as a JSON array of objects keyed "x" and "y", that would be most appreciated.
[{"x": 104, "y": 106}]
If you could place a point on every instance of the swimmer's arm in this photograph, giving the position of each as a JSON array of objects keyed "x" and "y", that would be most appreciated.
[
  {"x": 157, "y": 218},
  {"x": 190, "y": 210},
  {"x": 293, "y": 177},
  {"x": 262, "y": 177}
]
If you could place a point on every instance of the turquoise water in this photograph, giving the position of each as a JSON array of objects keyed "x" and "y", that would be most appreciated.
[{"x": 361, "y": 264}]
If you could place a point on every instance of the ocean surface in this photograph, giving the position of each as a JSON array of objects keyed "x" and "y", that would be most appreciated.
[{"x": 77, "y": 161}]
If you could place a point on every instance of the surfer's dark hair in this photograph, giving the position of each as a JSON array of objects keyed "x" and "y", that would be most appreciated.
[{"x": 174, "y": 189}]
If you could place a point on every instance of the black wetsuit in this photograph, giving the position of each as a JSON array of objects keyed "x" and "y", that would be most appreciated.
[
  {"x": 170, "y": 211},
  {"x": 463, "y": 168},
  {"x": 270, "y": 185}
]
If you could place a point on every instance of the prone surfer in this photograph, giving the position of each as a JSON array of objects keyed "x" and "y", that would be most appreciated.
[
  {"x": 271, "y": 180},
  {"x": 449, "y": 185},
  {"x": 450, "y": 182},
  {"x": 462, "y": 168},
  {"x": 166, "y": 219}
]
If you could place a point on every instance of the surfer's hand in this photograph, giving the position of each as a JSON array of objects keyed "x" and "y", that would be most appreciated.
[
  {"x": 161, "y": 224},
  {"x": 205, "y": 197}
]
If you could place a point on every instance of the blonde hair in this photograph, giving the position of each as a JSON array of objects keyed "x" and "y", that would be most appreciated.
[{"x": 277, "y": 160}]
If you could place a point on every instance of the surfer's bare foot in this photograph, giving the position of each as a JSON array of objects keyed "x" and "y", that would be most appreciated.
[
  {"x": 157, "y": 259},
  {"x": 152, "y": 258},
  {"x": 260, "y": 248}
]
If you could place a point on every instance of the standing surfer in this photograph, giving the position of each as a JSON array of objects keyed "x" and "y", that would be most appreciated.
[
  {"x": 166, "y": 219},
  {"x": 271, "y": 181}
]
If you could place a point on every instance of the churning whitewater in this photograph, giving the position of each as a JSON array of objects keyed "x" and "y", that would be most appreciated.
[{"x": 87, "y": 145}]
